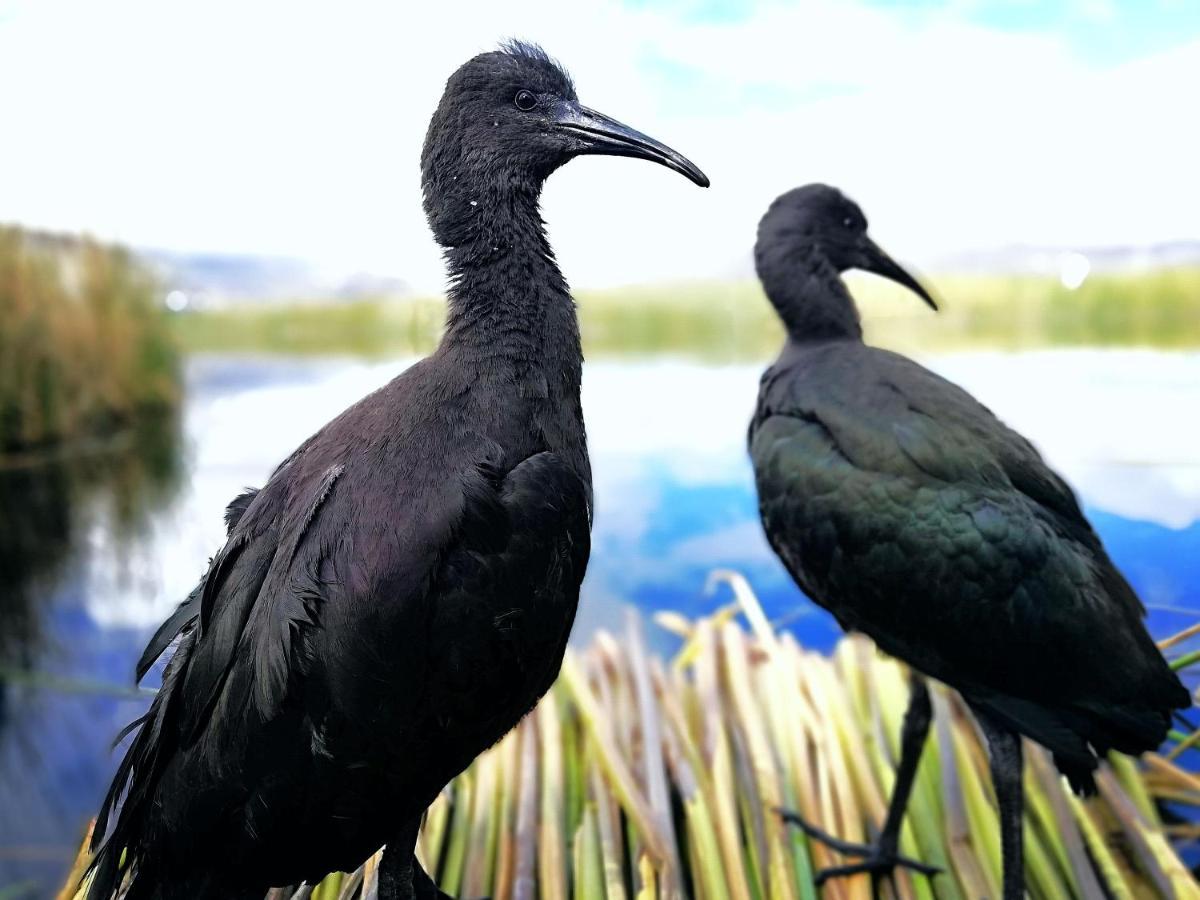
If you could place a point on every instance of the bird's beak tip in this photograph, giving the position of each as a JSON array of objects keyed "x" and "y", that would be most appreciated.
[
  {"x": 873, "y": 259},
  {"x": 606, "y": 136}
]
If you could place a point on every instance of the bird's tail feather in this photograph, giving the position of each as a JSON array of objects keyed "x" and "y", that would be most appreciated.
[
  {"x": 1081, "y": 734},
  {"x": 118, "y": 850}
]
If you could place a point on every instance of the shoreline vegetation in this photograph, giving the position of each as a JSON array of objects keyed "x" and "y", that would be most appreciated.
[
  {"x": 732, "y": 321},
  {"x": 85, "y": 343},
  {"x": 638, "y": 778}
]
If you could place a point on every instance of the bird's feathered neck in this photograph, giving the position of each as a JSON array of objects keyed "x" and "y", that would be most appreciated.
[
  {"x": 508, "y": 301},
  {"x": 807, "y": 291}
]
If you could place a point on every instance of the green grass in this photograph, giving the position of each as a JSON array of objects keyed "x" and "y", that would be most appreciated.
[
  {"x": 638, "y": 777},
  {"x": 84, "y": 343},
  {"x": 733, "y": 321}
]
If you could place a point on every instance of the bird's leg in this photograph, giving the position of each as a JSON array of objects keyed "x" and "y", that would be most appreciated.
[
  {"x": 1007, "y": 765},
  {"x": 396, "y": 876},
  {"x": 882, "y": 857},
  {"x": 401, "y": 876},
  {"x": 397, "y": 869}
]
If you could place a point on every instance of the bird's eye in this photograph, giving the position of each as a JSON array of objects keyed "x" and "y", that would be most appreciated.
[
  {"x": 848, "y": 222},
  {"x": 525, "y": 101}
]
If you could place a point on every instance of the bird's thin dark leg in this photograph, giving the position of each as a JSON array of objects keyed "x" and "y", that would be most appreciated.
[
  {"x": 1007, "y": 766},
  {"x": 401, "y": 876},
  {"x": 882, "y": 857},
  {"x": 397, "y": 869}
]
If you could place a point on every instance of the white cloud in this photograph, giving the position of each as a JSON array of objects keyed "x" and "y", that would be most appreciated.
[{"x": 295, "y": 129}]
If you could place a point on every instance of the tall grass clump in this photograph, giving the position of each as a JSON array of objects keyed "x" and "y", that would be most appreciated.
[
  {"x": 84, "y": 342},
  {"x": 368, "y": 328},
  {"x": 1156, "y": 308},
  {"x": 638, "y": 778}
]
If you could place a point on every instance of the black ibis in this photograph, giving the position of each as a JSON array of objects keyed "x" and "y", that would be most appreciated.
[
  {"x": 909, "y": 511},
  {"x": 399, "y": 593}
]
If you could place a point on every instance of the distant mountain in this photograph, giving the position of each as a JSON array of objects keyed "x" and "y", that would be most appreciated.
[
  {"x": 212, "y": 279},
  {"x": 215, "y": 279},
  {"x": 1032, "y": 260},
  {"x": 1072, "y": 264}
]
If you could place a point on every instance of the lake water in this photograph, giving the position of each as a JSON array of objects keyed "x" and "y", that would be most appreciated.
[{"x": 95, "y": 552}]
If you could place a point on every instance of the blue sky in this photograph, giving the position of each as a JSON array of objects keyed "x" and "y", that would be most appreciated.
[
  {"x": 294, "y": 129},
  {"x": 1100, "y": 31}
]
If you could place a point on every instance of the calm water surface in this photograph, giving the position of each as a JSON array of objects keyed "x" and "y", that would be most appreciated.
[{"x": 97, "y": 551}]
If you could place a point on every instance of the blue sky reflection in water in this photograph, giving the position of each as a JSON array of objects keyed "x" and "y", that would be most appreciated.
[{"x": 674, "y": 501}]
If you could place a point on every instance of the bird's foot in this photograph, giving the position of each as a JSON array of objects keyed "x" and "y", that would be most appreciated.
[{"x": 879, "y": 860}]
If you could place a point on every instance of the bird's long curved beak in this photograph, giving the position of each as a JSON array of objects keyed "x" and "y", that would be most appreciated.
[
  {"x": 608, "y": 137},
  {"x": 872, "y": 259}
]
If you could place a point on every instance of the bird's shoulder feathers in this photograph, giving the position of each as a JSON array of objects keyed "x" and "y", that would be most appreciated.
[{"x": 887, "y": 414}]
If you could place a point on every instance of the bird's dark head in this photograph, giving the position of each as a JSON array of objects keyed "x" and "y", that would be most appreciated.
[
  {"x": 818, "y": 226},
  {"x": 507, "y": 119}
]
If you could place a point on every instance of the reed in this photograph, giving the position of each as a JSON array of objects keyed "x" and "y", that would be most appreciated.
[
  {"x": 84, "y": 342},
  {"x": 638, "y": 779},
  {"x": 732, "y": 321}
]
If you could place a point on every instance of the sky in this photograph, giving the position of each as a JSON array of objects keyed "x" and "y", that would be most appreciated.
[{"x": 294, "y": 129}]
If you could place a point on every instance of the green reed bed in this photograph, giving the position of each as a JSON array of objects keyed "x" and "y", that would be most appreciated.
[
  {"x": 638, "y": 778},
  {"x": 84, "y": 341},
  {"x": 732, "y": 321}
]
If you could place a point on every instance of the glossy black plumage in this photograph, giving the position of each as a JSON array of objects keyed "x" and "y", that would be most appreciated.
[
  {"x": 909, "y": 511},
  {"x": 400, "y": 592}
]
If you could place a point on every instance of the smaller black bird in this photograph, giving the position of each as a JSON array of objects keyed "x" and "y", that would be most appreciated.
[{"x": 914, "y": 515}]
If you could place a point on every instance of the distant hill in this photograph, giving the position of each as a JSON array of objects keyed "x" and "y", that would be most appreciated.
[
  {"x": 1063, "y": 262},
  {"x": 214, "y": 280},
  {"x": 1022, "y": 259}
]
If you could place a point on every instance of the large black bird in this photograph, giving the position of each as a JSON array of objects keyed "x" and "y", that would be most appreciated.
[
  {"x": 400, "y": 592},
  {"x": 911, "y": 513}
]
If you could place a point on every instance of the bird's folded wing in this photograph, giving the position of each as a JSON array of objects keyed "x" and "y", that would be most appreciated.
[
  {"x": 938, "y": 548},
  {"x": 324, "y": 566},
  {"x": 521, "y": 577},
  {"x": 305, "y": 542},
  {"x": 272, "y": 589},
  {"x": 895, "y": 417},
  {"x": 950, "y": 435}
]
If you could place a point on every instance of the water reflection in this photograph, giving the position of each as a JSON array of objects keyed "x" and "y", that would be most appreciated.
[
  {"x": 35, "y": 535},
  {"x": 57, "y": 514},
  {"x": 48, "y": 506}
]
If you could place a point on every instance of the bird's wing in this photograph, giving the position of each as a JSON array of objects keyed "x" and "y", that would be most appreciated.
[
  {"x": 949, "y": 434},
  {"x": 258, "y": 595},
  {"x": 522, "y": 555},
  {"x": 415, "y": 642},
  {"x": 912, "y": 513},
  {"x": 315, "y": 581},
  {"x": 887, "y": 413}
]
